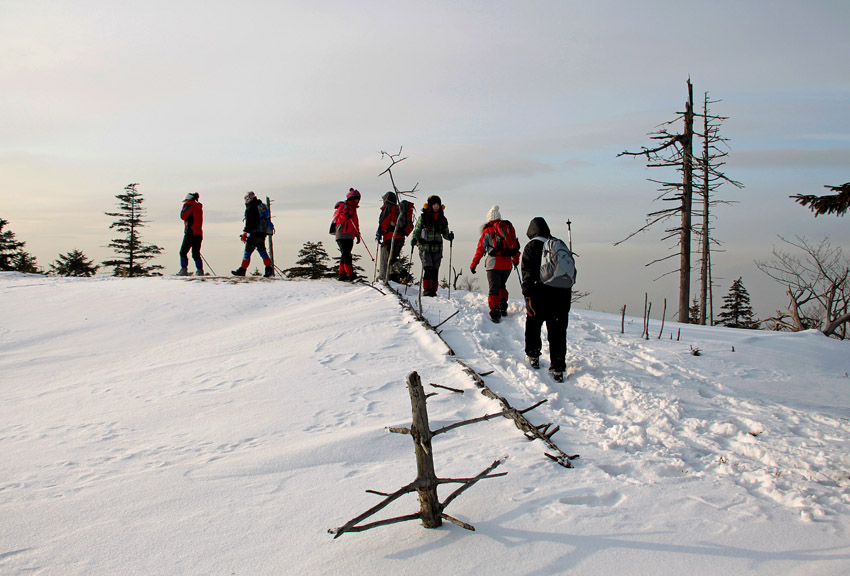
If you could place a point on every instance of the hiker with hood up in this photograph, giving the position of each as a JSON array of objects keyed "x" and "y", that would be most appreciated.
[
  {"x": 192, "y": 215},
  {"x": 499, "y": 244},
  {"x": 347, "y": 231},
  {"x": 254, "y": 237},
  {"x": 544, "y": 303},
  {"x": 390, "y": 236},
  {"x": 430, "y": 230}
]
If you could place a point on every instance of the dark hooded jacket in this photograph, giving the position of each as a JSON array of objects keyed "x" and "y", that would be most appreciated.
[{"x": 531, "y": 256}]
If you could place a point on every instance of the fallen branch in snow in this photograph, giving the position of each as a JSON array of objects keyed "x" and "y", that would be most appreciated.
[
  {"x": 532, "y": 432},
  {"x": 459, "y": 391},
  {"x": 431, "y": 510}
]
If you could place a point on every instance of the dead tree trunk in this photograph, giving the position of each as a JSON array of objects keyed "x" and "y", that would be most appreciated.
[
  {"x": 431, "y": 510},
  {"x": 687, "y": 203},
  {"x": 426, "y": 477}
]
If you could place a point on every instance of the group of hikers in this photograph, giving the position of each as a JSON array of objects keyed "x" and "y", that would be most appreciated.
[{"x": 546, "y": 267}]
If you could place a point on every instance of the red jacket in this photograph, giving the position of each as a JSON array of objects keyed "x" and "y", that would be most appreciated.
[
  {"x": 486, "y": 244},
  {"x": 193, "y": 216},
  {"x": 347, "y": 222},
  {"x": 386, "y": 223}
]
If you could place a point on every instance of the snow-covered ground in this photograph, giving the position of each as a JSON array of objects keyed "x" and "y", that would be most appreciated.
[{"x": 174, "y": 427}]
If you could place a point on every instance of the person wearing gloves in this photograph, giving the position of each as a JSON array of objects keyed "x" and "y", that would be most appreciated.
[
  {"x": 347, "y": 232},
  {"x": 430, "y": 230},
  {"x": 254, "y": 237},
  {"x": 192, "y": 215},
  {"x": 500, "y": 250},
  {"x": 544, "y": 303}
]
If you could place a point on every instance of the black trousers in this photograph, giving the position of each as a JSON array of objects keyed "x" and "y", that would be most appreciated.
[
  {"x": 191, "y": 242},
  {"x": 550, "y": 306}
]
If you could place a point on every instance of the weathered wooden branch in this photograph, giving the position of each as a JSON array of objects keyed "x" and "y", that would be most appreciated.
[
  {"x": 431, "y": 510},
  {"x": 519, "y": 418},
  {"x": 447, "y": 319},
  {"x": 457, "y": 390}
]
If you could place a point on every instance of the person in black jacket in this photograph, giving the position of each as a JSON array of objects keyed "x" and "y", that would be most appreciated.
[
  {"x": 253, "y": 237},
  {"x": 543, "y": 304}
]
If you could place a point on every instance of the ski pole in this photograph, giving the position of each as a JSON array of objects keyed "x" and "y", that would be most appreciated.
[
  {"x": 208, "y": 265},
  {"x": 367, "y": 249},
  {"x": 451, "y": 243},
  {"x": 377, "y": 250}
]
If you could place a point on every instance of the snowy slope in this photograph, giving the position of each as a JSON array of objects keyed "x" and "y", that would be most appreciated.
[{"x": 164, "y": 426}]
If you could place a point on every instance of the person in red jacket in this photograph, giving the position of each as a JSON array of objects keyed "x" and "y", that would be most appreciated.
[
  {"x": 387, "y": 232},
  {"x": 347, "y": 232},
  {"x": 192, "y": 215},
  {"x": 500, "y": 258}
]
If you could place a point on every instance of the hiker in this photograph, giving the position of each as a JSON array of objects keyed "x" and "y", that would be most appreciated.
[
  {"x": 499, "y": 244},
  {"x": 395, "y": 223},
  {"x": 254, "y": 235},
  {"x": 192, "y": 215},
  {"x": 430, "y": 230},
  {"x": 347, "y": 231},
  {"x": 544, "y": 303}
]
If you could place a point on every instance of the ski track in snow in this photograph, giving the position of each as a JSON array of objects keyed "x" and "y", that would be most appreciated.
[{"x": 651, "y": 408}]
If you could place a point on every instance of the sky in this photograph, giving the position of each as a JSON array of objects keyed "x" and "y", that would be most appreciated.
[{"x": 521, "y": 105}]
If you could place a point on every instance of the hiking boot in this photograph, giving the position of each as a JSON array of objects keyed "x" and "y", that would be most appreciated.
[
  {"x": 238, "y": 272},
  {"x": 533, "y": 361},
  {"x": 557, "y": 375},
  {"x": 269, "y": 272},
  {"x": 200, "y": 273},
  {"x": 183, "y": 272},
  {"x": 495, "y": 316}
]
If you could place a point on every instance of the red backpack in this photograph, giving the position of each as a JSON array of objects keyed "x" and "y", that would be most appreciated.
[
  {"x": 405, "y": 217},
  {"x": 504, "y": 238}
]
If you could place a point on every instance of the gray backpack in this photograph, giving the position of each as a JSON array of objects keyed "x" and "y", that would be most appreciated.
[{"x": 557, "y": 264}]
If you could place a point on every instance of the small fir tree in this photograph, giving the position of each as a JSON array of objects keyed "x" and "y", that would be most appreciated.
[
  {"x": 25, "y": 262},
  {"x": 312, "y": 262},
  {"x": 133, "y": 254},
  {"x": 736, "y": 311},
  {"x": 695, "y": 311},
  {"x": 74, "y": 263},
  {"x": 12, "y": 255}
]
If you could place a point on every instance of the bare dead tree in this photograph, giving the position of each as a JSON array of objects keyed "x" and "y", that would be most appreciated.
[
  {"x": 838, "y": 204},
  {"x": 674, "y": 151},
  {"x": 395, "y": 159},
  {"x": 818, "y": 286},
  {"x": 714, "y": 150},
  {"x": 431, "y": 510}
]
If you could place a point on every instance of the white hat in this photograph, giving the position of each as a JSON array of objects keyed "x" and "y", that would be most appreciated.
[{"x": 494, "y": 214}]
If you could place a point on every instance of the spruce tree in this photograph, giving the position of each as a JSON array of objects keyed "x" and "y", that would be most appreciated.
[
  {"x": 133, "y": 254},
  {"x": 312, "y": 262},
  {"x": 12, "y": 254},
  {"x": 9, "y": 247},
  {"x": 736, "y": 311},
  {"x": 74, "y": 263}
]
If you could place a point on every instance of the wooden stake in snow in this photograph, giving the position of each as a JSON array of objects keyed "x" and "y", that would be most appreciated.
[{"x": 431, "y": 510}]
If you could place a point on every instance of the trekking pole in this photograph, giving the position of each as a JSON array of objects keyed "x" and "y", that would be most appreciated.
[
  {"x": 451, "y": 242},
  {"x": 377, "y": 251},
  {"x": 208, "y": 265}
]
